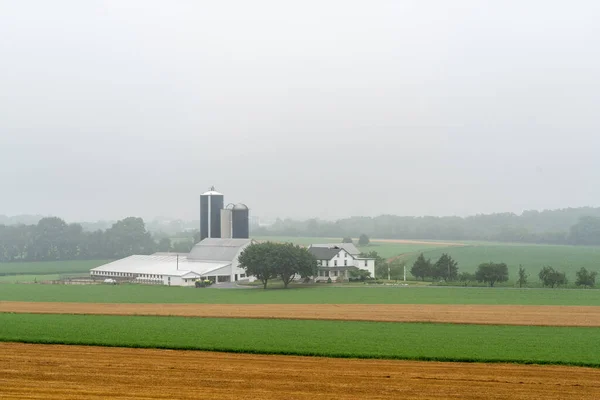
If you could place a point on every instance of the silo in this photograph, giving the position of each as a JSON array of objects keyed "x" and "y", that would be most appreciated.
[
  {"x": 211, "y": 204},
  {"x": 226, "y": 222},
  {"x": 241, "y": 221}
]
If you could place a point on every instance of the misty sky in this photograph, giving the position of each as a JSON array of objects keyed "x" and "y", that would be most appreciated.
[{"x": 299, "y": 109}]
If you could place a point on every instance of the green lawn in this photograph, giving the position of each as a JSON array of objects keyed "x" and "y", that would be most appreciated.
[
  {"x": 309, "y": 295},
  {"x": 49, "y": 267},
  {"x": 445, "y": 342},
  {"x": 533, "y": 257},
  {"x": 28, "y": 278}
]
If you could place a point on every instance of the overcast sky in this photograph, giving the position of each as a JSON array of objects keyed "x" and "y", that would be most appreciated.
[{"x": 300, "y": 109}]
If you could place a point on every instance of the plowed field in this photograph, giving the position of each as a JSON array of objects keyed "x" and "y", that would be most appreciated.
[
  {"x": 76, "y": 372},
  {"x": 463, "y": 314}
]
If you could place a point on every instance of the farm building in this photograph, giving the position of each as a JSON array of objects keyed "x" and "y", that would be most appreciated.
[
  {"x": 213, "y": 258},
  {"x": 336, "y": 259}
]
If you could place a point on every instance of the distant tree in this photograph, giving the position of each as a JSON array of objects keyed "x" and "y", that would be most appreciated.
[
  {"x": 586, "y": 231},
  {"x": 466, "y": 277},
  {"x": 381, "y": 264},
  {"x": 347, "y": 239},
  {"x": 421, "y": 268},
  {"x": 585, "y": 278},
  {"x": 492, "y": 273},
  {"x": 259, "y": 260},
  {"x": 164, "y": 244},
  {"x": 551, "y": 277},
  {"x": 522, "y": 279},
  {"x": 363, "y": 240},
  {"x": 445, "y": 268},
  {"x": 359, "y": 275},
  {"x": 182, "y": 246},
  {"x": 196, "y": 237},
  {"x": 129, "y": 236}
]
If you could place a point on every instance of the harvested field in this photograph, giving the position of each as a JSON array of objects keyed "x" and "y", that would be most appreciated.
[
  {"x": 74, "y": 372},
  {"x": 460, "y": 314}
]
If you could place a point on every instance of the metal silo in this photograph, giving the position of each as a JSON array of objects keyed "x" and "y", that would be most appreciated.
[
  {"x": 226, "y": 222},
  {"x": 241, "y": 221},
  {"x": 211, "y": 204}
]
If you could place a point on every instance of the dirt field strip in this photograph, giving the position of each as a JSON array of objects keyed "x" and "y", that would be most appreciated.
[
  {"x": 75, "y": 372},
  {"x": 462, "y": 314}
]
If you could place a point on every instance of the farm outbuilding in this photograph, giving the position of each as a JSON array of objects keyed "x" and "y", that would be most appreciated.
[{"x": 213, "y": 258}]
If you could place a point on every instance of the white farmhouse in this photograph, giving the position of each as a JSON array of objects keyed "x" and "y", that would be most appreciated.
[
  {"x": 336, "y": 259},
  {"x": 214, "y": 259}
]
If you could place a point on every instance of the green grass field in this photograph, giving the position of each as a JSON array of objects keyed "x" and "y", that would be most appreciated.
[
  {"x": 568, "y": 259},
  {"x": 386, "y": 250},
  {"x": 28, "y": 278},
  {"x": 309, "y": 295},
  {"x": 49, "y": 267},
  {"x": 533, "y": 257},
  {"x": 444, "y": 342}
]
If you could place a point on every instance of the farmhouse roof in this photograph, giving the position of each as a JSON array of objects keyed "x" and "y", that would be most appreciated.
[
  {"x": 324, "y": 253},
  {"x": 349, "y": 247}
]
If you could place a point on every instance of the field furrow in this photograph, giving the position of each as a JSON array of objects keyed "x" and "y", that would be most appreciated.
[
  {"x": 460, "y": 314},
  {"x": 73, "y": 372}
]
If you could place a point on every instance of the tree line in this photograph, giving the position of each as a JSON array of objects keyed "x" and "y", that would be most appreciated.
[
  {"x": 578, "y": 226},
  {"x": 445, "y": 268},
  {"x": 52, "y": 239}
]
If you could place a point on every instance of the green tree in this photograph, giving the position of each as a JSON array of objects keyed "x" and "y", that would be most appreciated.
[
  {"x": 421, "y": 268},
  {"x": 522, "y": 280},
  {"x": 492, "y": 273},
  {"x": 182, "y": 246},
  {"x": 445, "y": 268},
  {"x": 164, "y": 244},
  {"x": 347, "y": 239},
  {"x": 359, "y": 274},
  {"x": 585, "y": 278},
  {"x": 551, "y": 277},
  {"x": 363, "y": 240},
  {"x": 290, "y": 260},
  {"x": 259, "y": 260},
  {"x": 129, "y": 236},
  {"x": 466, "y": 277}
]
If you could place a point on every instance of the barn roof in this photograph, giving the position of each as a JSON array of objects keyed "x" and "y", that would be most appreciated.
[{"x": 215, "y": 249}]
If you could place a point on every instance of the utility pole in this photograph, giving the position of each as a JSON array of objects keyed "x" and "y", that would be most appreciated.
[
  {"x": 177, "y": 262},
  {"x": 389, "y": 279},
  {"x": 404, "y": 272}
]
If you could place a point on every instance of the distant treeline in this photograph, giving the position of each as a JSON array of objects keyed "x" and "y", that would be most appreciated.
[
  {"x": 53, "y": 239},
  {"x": 580, "y": 226}
]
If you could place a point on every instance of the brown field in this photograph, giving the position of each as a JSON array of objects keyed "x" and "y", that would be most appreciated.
[
  {"x": 463, "y": 314},
  {"x": 76, "y": 372}
]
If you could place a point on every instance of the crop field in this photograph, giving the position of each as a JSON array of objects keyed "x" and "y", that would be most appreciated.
[
  {"x": 93, "y": 372},
  {"x": 307, "y": 295},
  {"x": 568, "y": 259},
  {"x": 49, "y": 267},
  {"x": 418, "y": 341}
]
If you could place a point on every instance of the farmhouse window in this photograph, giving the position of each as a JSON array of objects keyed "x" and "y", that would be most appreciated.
[
  {"x": 335, "y": 273},
  {"x": 335, "y": 263},
  {"x": 345, "y": 262}
]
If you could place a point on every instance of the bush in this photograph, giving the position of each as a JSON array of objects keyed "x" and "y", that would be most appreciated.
[{"x": 329, "y": 280}]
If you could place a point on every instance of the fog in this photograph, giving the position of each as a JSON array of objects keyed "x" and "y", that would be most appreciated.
[{"x": 299, "y": 109}]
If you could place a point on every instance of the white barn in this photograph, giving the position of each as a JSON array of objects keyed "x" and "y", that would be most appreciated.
[{"x": 213, "y": 258}]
